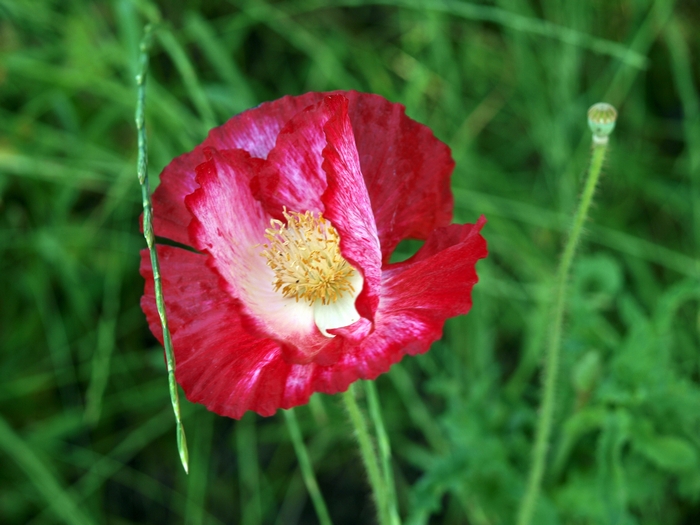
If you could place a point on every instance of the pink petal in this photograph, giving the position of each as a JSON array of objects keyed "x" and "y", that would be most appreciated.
[
  {"x": 254, "y": 130},
  {"x": 348, "y": 206},
  {"x": 177, "y": 180},
  {"x": 439, "y": 278},
  {"x": 417, "y": 297},
  {"x": 223, "y": 366},
  {"x": 219, "y": 363},
  {"x": 406, "y": 169},
  {"x": 229, "y": 224},
  {"x": 293, "y": 176}
]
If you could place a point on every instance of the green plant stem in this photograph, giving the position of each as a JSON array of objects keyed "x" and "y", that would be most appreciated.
[
  {"x": 384, "y": 450},
  {"x": 248, "y": 472},
  {"x": 551, "y": 369},
  {"x": 150, "y": 239},
  {"x": 369, "y": 456},
  {"x": 307, "y": 471}
]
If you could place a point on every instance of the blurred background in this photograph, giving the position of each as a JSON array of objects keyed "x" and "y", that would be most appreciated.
[{"x": 86, "y": 428}]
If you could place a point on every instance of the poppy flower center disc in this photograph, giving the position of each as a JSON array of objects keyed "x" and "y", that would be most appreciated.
[{"x": 305, "y": 256}]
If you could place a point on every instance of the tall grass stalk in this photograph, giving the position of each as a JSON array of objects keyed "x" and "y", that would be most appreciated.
[
  {"x": 601, "y": 126},
  {"x": 150, "y": 239}
]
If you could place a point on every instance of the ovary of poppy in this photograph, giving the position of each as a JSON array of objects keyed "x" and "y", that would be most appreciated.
[{"x": 294, "y": 209}]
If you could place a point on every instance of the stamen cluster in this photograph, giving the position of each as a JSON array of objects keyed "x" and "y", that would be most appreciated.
[{"x": 305, "y": 256}]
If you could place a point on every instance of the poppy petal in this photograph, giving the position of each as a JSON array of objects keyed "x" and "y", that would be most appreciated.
[
  {"x": 348, "y": 206},
  {"x": 229, "y": 224},
  {"x": 406, "y": 170},
  {"x": 417, "y": 297},
  {"x": 438, "y": 280},
  {"x": 218, "y": 362},
  {"x": 170, "y": 216},
  {"x": 293, "y": 177},
  {"x": 254, "y": 131}
]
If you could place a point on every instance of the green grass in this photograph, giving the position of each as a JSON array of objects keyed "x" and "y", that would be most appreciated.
[{"x": 87, "y": 433}]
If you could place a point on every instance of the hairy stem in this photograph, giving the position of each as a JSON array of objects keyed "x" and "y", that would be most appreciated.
[
  {"x": 369, "y": 456},
  {"x": 551, "y": 367},
  {"x": 384, "y": 450}
]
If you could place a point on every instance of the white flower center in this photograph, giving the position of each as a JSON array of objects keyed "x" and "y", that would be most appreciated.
[{"x": 305, "y": 257}]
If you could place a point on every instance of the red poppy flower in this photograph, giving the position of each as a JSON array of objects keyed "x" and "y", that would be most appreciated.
[{"x": 294, "y": 209}]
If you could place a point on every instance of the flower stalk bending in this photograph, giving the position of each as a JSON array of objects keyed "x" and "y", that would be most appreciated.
[
  {"x": 150, "y": 239},
  {"x": 601, "y": 120}
]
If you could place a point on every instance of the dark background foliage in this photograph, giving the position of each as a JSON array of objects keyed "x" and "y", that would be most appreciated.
[{"x": 86, "y": 429}]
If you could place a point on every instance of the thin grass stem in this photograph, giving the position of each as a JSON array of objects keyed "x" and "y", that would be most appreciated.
[
  {"x": 551, "y": 367},
  {"x": 369, "y": 456},
  {"x": 384, "y": 450},
  {"x": 150, "y": 238},
  {"x": 249, "y": 475},
  {"x": 307, "y": 471}
]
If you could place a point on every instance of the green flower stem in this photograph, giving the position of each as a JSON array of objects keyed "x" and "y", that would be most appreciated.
[
  {"x": 150, "y": 239},
  {"x": 384, "y": 450},
  {"x": 307, "y": 471},
  {"x": 369, "y": 457},
  {"x": 546, "y": 412}
]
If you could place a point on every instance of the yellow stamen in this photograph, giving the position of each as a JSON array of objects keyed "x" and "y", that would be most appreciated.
[{"x": 305, "y": 256}]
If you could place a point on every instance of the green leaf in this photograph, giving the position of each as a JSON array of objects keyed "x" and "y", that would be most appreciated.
[{"x": 669, "y": 453}]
